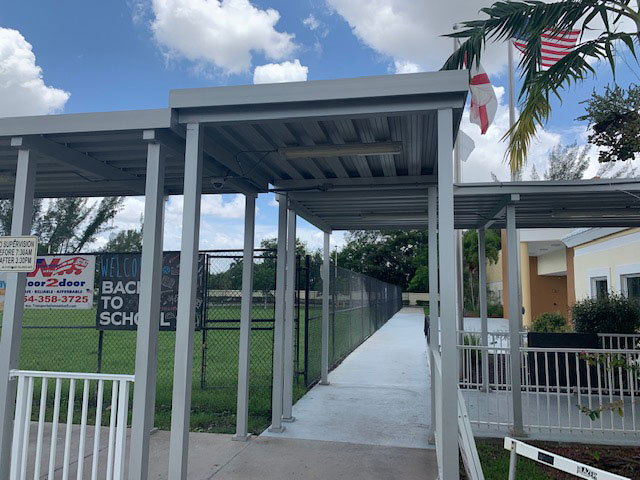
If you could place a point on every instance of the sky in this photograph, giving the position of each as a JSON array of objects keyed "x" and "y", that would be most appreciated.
[{"x": 78, "y": 56}]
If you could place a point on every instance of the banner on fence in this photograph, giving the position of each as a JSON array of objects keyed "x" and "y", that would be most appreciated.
[
  {"x": 59, "y": 281},
  {"x": 119, "y": 289}
]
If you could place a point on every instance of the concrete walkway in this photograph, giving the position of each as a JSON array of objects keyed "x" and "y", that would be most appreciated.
[{"x": 379, "y": 395}]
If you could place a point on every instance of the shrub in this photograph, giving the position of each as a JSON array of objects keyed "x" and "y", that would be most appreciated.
[
  {"x": 550, "y": 322},
  {"x": 612, "y": 313},
  {"x": 495, "y": 310}
]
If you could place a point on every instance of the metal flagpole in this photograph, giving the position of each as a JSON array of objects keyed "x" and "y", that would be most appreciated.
[
  {"x": 515, "y": 175},
  {"x": 457, "y": 178}
]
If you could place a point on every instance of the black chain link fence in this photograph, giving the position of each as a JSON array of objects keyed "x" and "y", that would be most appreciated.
[{"x": 67, "y": 340}]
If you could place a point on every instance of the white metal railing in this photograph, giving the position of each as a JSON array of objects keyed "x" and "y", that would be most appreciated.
[
  {"x": 51, "y": 384},
  {"x": 620, "y": 341},
  {"x": 568, "y": 390},
  {"x": 617, "y": 341}
]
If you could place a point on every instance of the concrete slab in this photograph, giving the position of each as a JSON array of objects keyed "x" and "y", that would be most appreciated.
[
  {"x": 275, "y": 459},
  {"x": 379, "y": 395}
]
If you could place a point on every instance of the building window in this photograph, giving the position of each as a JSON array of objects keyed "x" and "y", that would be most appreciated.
[
  {"x": 631, "y": 286},
  {"x": 599, "y": 287}
]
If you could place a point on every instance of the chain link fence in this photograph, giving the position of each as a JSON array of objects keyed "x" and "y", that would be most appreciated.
[{"x": 68, "y": 340}]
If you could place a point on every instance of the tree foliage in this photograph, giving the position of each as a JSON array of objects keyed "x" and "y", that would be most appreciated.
[
  {"x": 125, "y": 241},
  {"x": 390, "y": 256},
  {"x": 614, "y": 119},
  {"x": 566, "y": 162},
  {"x": 529, "y": 19},
  {"x": 66, "y": 225}
]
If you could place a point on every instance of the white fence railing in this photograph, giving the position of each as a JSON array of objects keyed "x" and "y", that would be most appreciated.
[
  {"x": 566, "y": 390},
  {"x": 49, "y": 386},
  {"x": 617, "y": 341}
]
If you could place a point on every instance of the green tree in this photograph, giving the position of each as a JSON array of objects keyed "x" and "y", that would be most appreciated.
[
  {"x": 67, "y": 225},
  {"x": 529, "y": 19},
  {"x": 125, "y": 241},
  {"x": 470, "y": 261},
  {"x": 614, "y": 119},
  {"x": 565, "y": 163},
  {"x": 390, "y": 256}
]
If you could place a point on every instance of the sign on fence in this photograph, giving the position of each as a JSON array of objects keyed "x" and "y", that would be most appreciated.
[
  {"x": 61, "y": 281},
  {"x": 119, "y": 289},
  {"x": 18, "y": 254}
]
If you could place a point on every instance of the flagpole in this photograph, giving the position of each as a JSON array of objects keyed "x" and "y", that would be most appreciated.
[
  {"x": 515, "y": 175},
  {"x": 457, "y": 178}
]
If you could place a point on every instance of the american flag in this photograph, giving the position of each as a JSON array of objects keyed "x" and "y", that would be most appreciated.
[{"x": 555, "y": 44}]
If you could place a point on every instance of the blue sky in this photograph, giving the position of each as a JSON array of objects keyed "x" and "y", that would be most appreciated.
[{"x": 119, "y": 55}]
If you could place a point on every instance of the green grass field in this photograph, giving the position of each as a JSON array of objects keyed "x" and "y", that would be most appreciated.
[{"x": 214, "y": 402}]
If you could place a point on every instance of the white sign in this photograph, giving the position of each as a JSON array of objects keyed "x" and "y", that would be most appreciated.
[
  {"x": 18, "y": 254},
  {"x": 61, "y": 281}
]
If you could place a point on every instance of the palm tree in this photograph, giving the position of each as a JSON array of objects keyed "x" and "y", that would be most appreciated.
[{"x": 529, "y": 19}]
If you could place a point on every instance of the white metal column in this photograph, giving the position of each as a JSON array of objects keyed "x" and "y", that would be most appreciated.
[
  {"x": 278, "y": 325},
  {"x": 148, "y": 314},
  {"x": 14, "y": 304},
  {"x": 182, "y": 372},
  {"x": 287, "y": 403},
  {"x": 326, "y": 278},
  {"x": 515, "y": 318},
  {"x": 244, "y": 355},
  {"x": 482, "y": 296},
  {"x": 434, "y": 295},
  {"x": 448, "y": 304}
]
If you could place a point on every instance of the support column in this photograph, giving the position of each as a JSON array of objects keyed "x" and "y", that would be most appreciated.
[
  {"x": 326, "y": 260},
  {"x": 148, "y": 314},
  {"x": 515, "y": 315},
  {"x": 290, "y": 293},
  {"x": 434, "y": 295},
  {"x": 447, "y": 249},
  {"x": 185, "y": 321},
  {"x": 14, "y": 305},
  {"x": 278, "y": 326},
  {"x": 242, "y": 412},
  {"x": 482, "y": 296}
]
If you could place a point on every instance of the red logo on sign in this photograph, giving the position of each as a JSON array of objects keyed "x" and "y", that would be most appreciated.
[{"x": 71, "y": 266}]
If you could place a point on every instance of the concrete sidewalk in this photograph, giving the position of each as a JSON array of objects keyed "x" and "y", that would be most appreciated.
[{"x": 379, "y": 395}]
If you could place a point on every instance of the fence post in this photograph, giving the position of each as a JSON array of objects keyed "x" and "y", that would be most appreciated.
[
  {"x": 100, "y": 344},
  {"x": 515, "y": 316},
  {"x": 307, "y": 266},
  {"x": 434, "y": 315},
  {"x": 324, "y": 362}
]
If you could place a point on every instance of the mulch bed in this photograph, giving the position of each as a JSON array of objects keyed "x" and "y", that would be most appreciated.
[{"x": 623, "y": 461}]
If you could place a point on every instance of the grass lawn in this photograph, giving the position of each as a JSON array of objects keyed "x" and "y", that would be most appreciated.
[
  {"x": 213, "y": 405},
  {"x": 214, "y": 402}
]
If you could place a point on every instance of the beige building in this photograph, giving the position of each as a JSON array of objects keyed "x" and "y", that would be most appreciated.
[{"x": 559, "y": 266}]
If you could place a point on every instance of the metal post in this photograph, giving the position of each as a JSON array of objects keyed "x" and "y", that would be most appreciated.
[
  {"x": 307, "y": 268},
  {"x": 513, "y": 461},
  {"x": 242, "y": 412},
  {"x": 183, "y": 363},
  {"x": 482, "y": 296},
  {"x": 434, "y": 314},
  {"x": 446, "y": 241},
  {"x": 287, "y": 401},
  {"x": 515, "y": 316},
  {"x": 148, "y": 314},
  {"x": 278, "y": 326},
  {"x": 14, "y": 306},
  {"x": 324, "y": 363},
  {"x": 100, "y": 346}
]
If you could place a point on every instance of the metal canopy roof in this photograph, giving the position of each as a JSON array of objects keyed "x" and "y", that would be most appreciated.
[
  {"x": 403, "y": 204},
  {"x": 351, "y": 153}
]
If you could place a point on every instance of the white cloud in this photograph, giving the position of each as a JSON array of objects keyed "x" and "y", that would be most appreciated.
[
  {"x": 22, "y": 87},
  {"x": 280, "y": 72},
  {"x": 488, "y": 155},
  {"x": 224, "y": 33},
  {"x": 405, "y": 66},
  {"x": 311, "y": 22},
  {"x": 410, "y": 32}
]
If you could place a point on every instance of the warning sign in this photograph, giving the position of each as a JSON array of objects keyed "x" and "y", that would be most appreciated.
[{"x": 18, "y": 254}]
